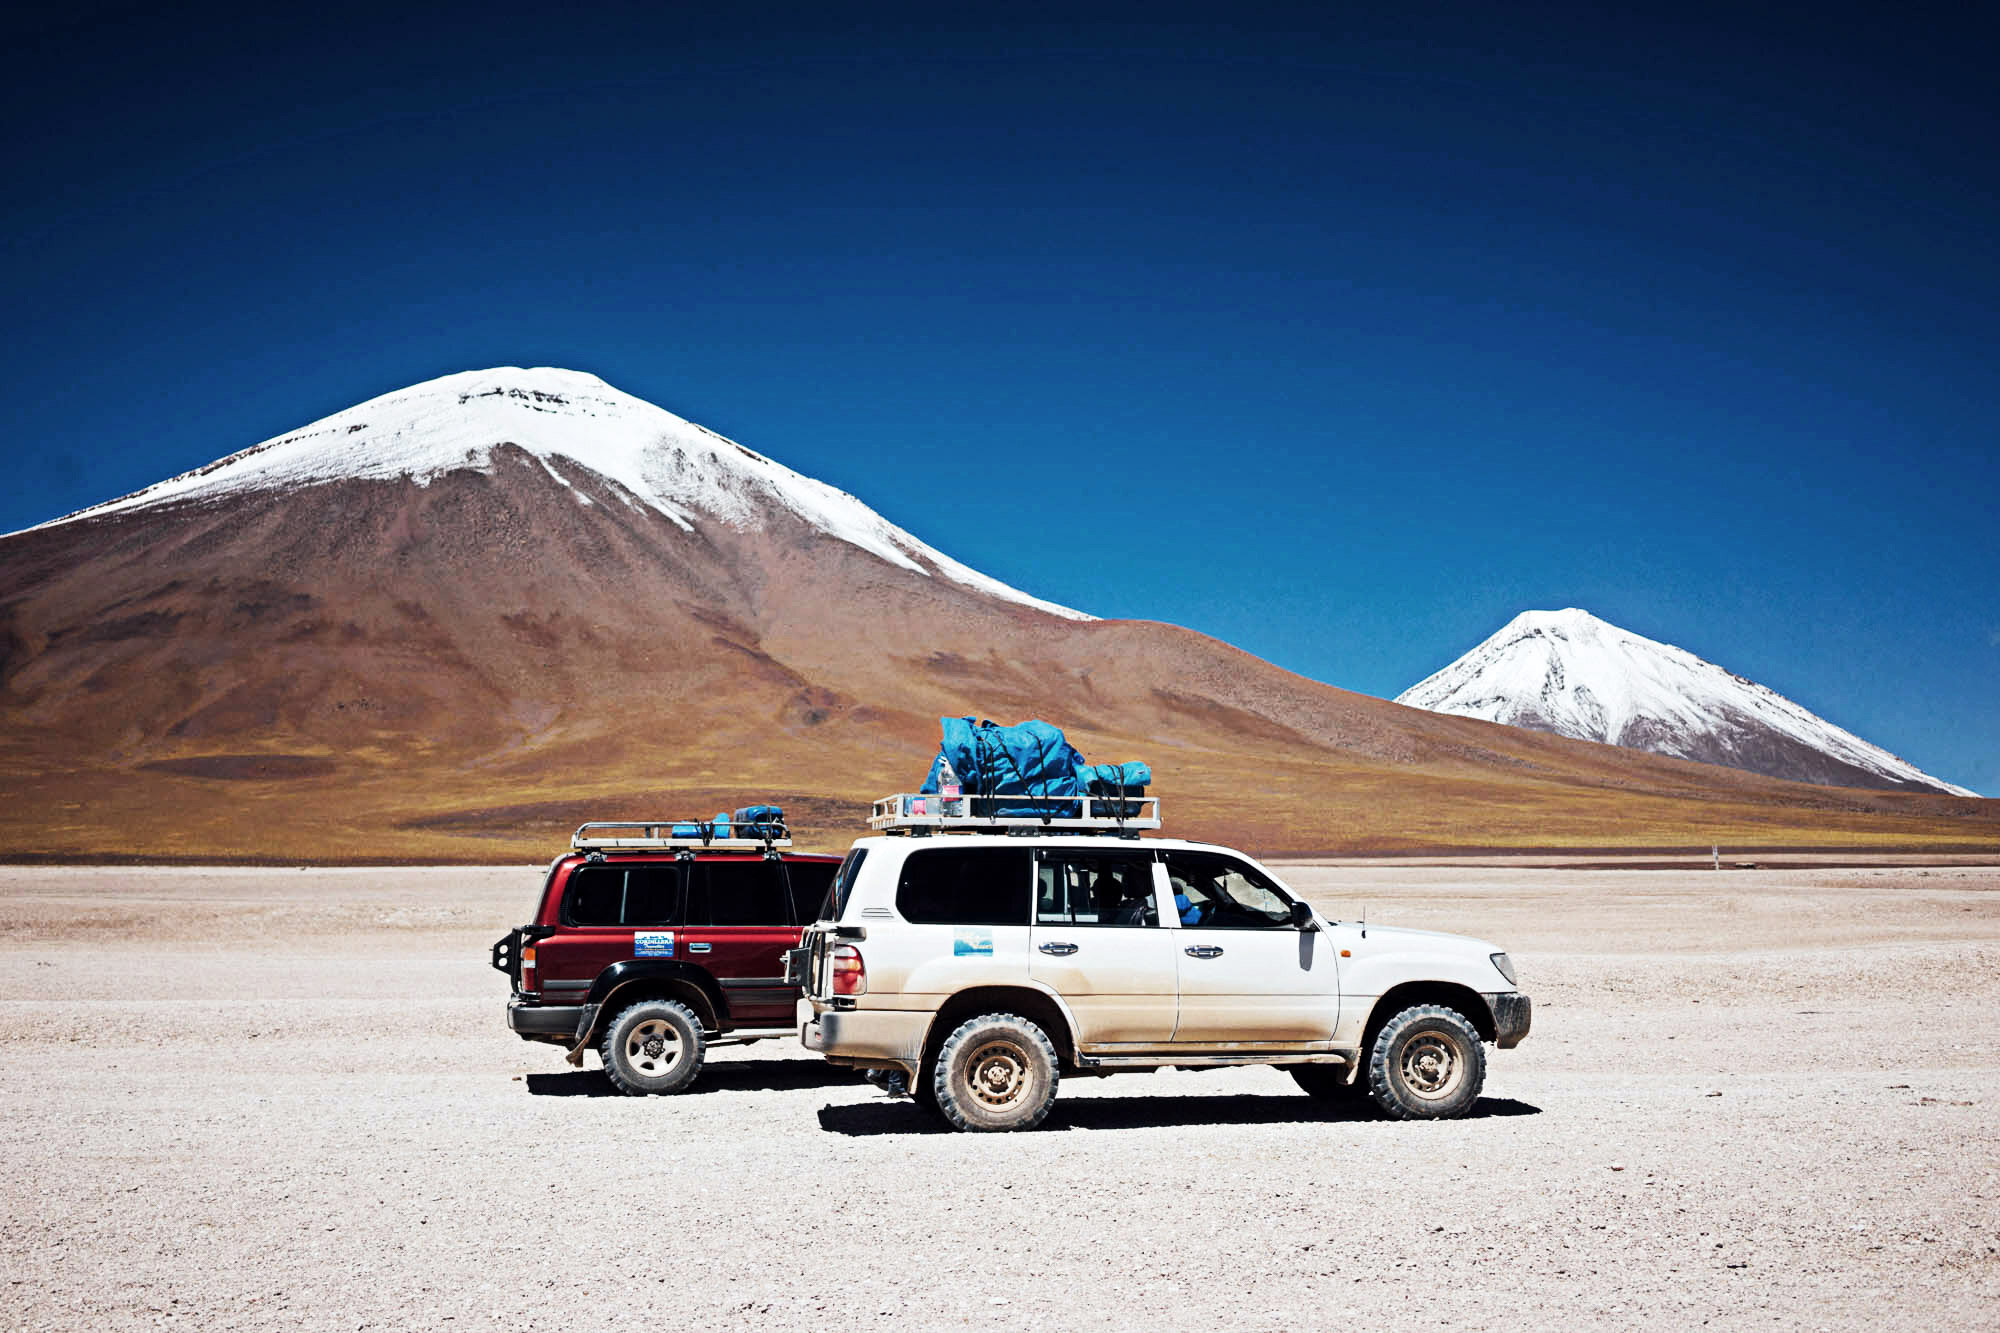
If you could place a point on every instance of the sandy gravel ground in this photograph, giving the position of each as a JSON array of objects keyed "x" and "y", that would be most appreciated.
[{"x": 274, "y": 1099}]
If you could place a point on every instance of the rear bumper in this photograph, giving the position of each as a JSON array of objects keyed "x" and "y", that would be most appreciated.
[
  {"x": 1512, "y": 1014},
  {"x": 538, "y": 1022},
  {"x": 890, "y": 1035}
]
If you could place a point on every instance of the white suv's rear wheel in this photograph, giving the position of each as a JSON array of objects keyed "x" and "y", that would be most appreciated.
[
  {"x": 1426, "y": 1064},
  {"x": 995, "y": 1072}
]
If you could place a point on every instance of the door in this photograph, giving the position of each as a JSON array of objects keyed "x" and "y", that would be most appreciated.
[
  {"x": 1097, "y": 941},
  {"x": 739, "y": 915},
  {"x": 1247, "y": 974}
]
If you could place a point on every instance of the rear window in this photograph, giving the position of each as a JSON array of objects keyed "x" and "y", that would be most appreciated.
[
  {"x": 843, "y": 884},
  {"x": 614, "y": 895},
  {"x": 976, "y": 886},
  {"x": 811, "y": 881},
  {"x": 737, "y": 893}
]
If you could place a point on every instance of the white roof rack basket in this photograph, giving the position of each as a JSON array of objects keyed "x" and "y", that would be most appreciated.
[
  {"x": 633, "y": 835},
  {"x": 914, "y": 812}
]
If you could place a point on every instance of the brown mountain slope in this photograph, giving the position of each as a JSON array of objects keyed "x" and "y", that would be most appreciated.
[{"x": 462, "y": 670}]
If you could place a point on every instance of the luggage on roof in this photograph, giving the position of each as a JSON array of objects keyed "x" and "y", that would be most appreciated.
[{"x": 1030, "y": 762}]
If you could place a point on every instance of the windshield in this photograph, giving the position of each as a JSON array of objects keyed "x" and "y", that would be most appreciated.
[{"x": 843, "y": 885}]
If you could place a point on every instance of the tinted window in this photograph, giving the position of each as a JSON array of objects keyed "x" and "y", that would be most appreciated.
[
  {"x": 1223, "y": 892},
  {"x": 1096, "y": 889},
  {"x": 843, "y": 884},
  {"x": 615, "y": 895},
  {"x": 978, "y": 886},
  {"x": 810, "y": 882},
  {"x": 737, "y": 893}
]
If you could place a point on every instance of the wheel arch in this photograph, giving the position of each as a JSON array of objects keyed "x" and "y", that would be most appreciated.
[
  {"x": 1447, "y": 994},
  {"x": 638, "y": 979},
  {"x": 1038, "y": 1006}
]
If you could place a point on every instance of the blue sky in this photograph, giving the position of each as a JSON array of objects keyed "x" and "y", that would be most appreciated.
[{"x": 1340, "y": 333}]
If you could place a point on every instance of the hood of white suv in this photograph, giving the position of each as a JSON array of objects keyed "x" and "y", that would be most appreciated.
[
  {"x": 1428, "y": 954},
  {"x": 1435, "y": 939}
]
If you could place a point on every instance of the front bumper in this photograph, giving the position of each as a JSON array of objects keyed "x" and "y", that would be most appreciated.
[{"x": 1512, "y": 1013}]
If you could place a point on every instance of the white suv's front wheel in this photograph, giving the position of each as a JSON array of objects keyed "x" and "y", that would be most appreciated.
[
  {"x": 1426, "y": 1064},
  {"x": 995, "y": 1072}
]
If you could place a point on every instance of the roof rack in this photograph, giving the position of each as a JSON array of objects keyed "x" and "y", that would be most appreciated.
[
  {"x": 924, "y": 812},
  {"x": 633, "y": 835}
]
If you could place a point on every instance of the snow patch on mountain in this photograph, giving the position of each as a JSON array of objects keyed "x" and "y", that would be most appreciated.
[
  {"x": 1570, "y": 673},
  {"x": 565, "y": 419}
]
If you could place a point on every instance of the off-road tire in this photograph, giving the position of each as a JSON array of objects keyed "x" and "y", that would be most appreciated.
[
  {"x": 652, "y": 1048},
  {"x": 1426, "y": 1063},
  {"x": 1329, "y": 1084},
  {"x": 996, "y": 1072}
]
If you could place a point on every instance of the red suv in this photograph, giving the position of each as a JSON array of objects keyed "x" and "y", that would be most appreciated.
[{"x": 656, "y": 941}]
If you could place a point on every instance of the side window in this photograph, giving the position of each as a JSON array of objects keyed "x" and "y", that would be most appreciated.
[
  {"x": 615, "y": 895},
  {"x": 810, "y": 881},
  {"x": 652, "y": 896},
  {"x": 1211, "y": 889},
  {"x": 737, "y": 893},
  {"x": 843, "y": 884},
  {"x": 1095, "y": 889},
  {"x": 976, "y": 886}
]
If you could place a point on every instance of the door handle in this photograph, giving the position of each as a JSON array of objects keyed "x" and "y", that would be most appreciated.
[
  {"x": 698, "y": 948},
  {"x": 1057, "y": 949},
  {"x": 1203, "y": 951}
]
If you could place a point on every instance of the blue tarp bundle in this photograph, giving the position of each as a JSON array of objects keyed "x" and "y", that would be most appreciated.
[
  {"x": 760, "y": 821},
  {"x": 1031, "y": 760},
  {"x": 752, "y": 821},
  {"x": 1115, "y": 779}
]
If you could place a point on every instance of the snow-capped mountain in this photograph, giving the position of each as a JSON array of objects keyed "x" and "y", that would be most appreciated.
[
  {"x": 567, "y": 420},
  {"x": 1569, "y": 673},
  {"x": 460, "y": 619}
]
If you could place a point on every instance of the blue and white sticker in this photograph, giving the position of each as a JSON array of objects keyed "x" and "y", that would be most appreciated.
[
  {"x": 978, "y": 943},
  {"x": 652, "y": 944}
]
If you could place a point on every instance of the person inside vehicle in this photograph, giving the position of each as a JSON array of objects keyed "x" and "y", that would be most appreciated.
[
  {"x": 1192, "y": 913},
  {"x": 1135, "y": 907}
]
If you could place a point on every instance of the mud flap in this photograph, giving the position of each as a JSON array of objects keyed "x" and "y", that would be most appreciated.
[{"x": 584, "y": 1023}]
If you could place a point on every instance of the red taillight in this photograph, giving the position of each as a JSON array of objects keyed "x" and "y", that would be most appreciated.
[
  {"x": 528, "y": 981},
  {"x": 850, "y": 974}
]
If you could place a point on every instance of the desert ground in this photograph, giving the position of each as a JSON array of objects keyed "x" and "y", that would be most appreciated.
[{"x": 255, "y": 1098}]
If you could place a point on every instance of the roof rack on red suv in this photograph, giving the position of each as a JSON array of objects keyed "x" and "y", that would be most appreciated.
[{"x": 656, "y": 939}]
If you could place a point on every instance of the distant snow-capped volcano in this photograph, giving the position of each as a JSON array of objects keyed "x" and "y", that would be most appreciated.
[
  {"x": 1569, "y": 673},
  {"x": 567, "y": 420}
]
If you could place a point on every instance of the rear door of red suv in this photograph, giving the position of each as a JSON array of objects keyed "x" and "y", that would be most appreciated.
[{"x": 738, "y": 926}]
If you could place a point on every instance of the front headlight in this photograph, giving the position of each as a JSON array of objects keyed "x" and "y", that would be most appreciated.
[{"x": 1506, "y": 966}]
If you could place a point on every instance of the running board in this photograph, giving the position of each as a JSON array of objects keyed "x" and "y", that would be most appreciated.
[
  {"x": 744, "y": 1036},
  {"x": 1174, "y": 1059}
]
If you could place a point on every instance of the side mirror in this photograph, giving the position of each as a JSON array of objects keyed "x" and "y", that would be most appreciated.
[{"x": 1302, "y": 916}]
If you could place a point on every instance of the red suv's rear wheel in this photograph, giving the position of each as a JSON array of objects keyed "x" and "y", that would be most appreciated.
[{"x": 654, "y": 1046}]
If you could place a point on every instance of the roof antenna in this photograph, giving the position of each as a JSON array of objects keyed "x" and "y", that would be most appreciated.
[{"x": 1364, "y": 920}]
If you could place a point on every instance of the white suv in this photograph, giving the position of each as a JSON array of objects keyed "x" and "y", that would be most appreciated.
[{"x": 983, "y": 968}]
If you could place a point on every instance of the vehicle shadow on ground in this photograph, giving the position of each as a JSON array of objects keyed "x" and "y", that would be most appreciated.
[
  {"x": 901, "y": 1116},
  {"x": 727, "y": 1076}
]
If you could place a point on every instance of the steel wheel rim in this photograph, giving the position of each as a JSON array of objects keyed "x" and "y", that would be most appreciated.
[
  {"x": 653, "y": 1047},
  {"x": 1431, "y": 1066},
  {"x": 999, "y": 1075}
]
